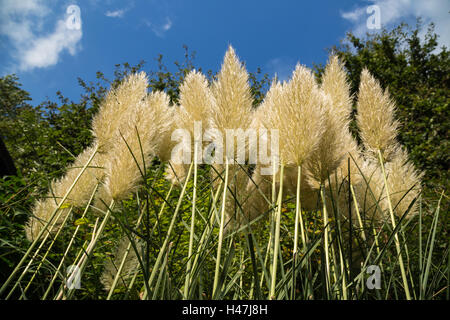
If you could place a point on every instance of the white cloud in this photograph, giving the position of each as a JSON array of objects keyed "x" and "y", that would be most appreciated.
[
  {"x": 353, "y": 15},
  {"x": 45, "y": 51},
  {"x": 167, "y": 25},
  {"x": 23, "y": 22},
  {"x": 160, "y": 29},
  {"x": 119, "y": 13},
  {"x": 394, "y": 11},
  {"x": 115, "y": 14}
]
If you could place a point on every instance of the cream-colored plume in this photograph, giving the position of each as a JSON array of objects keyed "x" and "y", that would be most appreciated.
[
  {"x": 336, "y": 143},
  {"x": 370, "y": 194},
  {"x": 196, "y": 102},
  {"x": 137, "y": 142},
  {"x": 335, "y": 85},
  {"x": 117, "y": 105},
  {"x": 165, "y": 152},
  {"x": 112, "y": 265},
  {"x": 273, "y": 97},
  {"x": 295, "y": 109},
  {"x": 232, "y": 109},
  {"x": 78, "y": 197},
  {"x": 375, "y": 118},
  {"x": 325, "y": 159},
  {"x": 378, "y": 130},
  {"x": 328, "y": 164},
  {"x": 403, "y": 183},
  {"x": 259, "y": 187}
]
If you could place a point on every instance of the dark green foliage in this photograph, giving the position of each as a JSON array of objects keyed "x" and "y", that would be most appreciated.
[
  {"x": 7, "y": 166},
  {"x": 15, "y": 200}
]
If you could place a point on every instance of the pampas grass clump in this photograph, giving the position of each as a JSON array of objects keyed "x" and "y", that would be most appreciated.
[
  {"x": 133, "y": 126},
  {"x": 319, "y": 164}
]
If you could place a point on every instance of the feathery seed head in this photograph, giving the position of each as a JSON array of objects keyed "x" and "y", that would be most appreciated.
[
  {"x": 325, "y": 159},
  {"x": 165, "y": 151},
  {"x": 232, "y": 108},
  {"x": 78, "y": 197},
  {"x": 143, "y": 132},
  {"x": 295, "y": 109},
  {"x": 403, "y": 182},
  {"x": 195, "y": 100},
  {"x": 337, "y": 142},
  {"x": 116, "y": 105},
  {"x": 273, "y": 97},
  {"x": 375, "y": 118},
  {"x": 42, "y": 211},
  {"x": 335, "y": 84}
]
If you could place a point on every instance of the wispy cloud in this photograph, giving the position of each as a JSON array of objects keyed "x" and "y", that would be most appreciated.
[
  {"x": 394, "y": 11},
  {"x": 354, "y": 15},
  {"x": 22, "y": 22},
  {"x": 282, "y": 67},
  {"x": 115, "y": 14},
  {"x": 159, "y": 29}
]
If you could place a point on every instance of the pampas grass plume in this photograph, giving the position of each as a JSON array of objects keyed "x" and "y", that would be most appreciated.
[
  {"x": 78, "y": 197},
  {"x": 232, "y": 108},
  {"x": 295, "y": 110},
  {"x": 140, "y": 139},
  {"x": 117, "y": 105},
  {"x": 403, "y": 183},
  {"x": 375, "y": 118},
  {"x": 196, "y": 100}
]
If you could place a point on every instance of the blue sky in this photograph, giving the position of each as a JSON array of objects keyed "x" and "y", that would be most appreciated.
[{"x": 48, "y": 53}]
